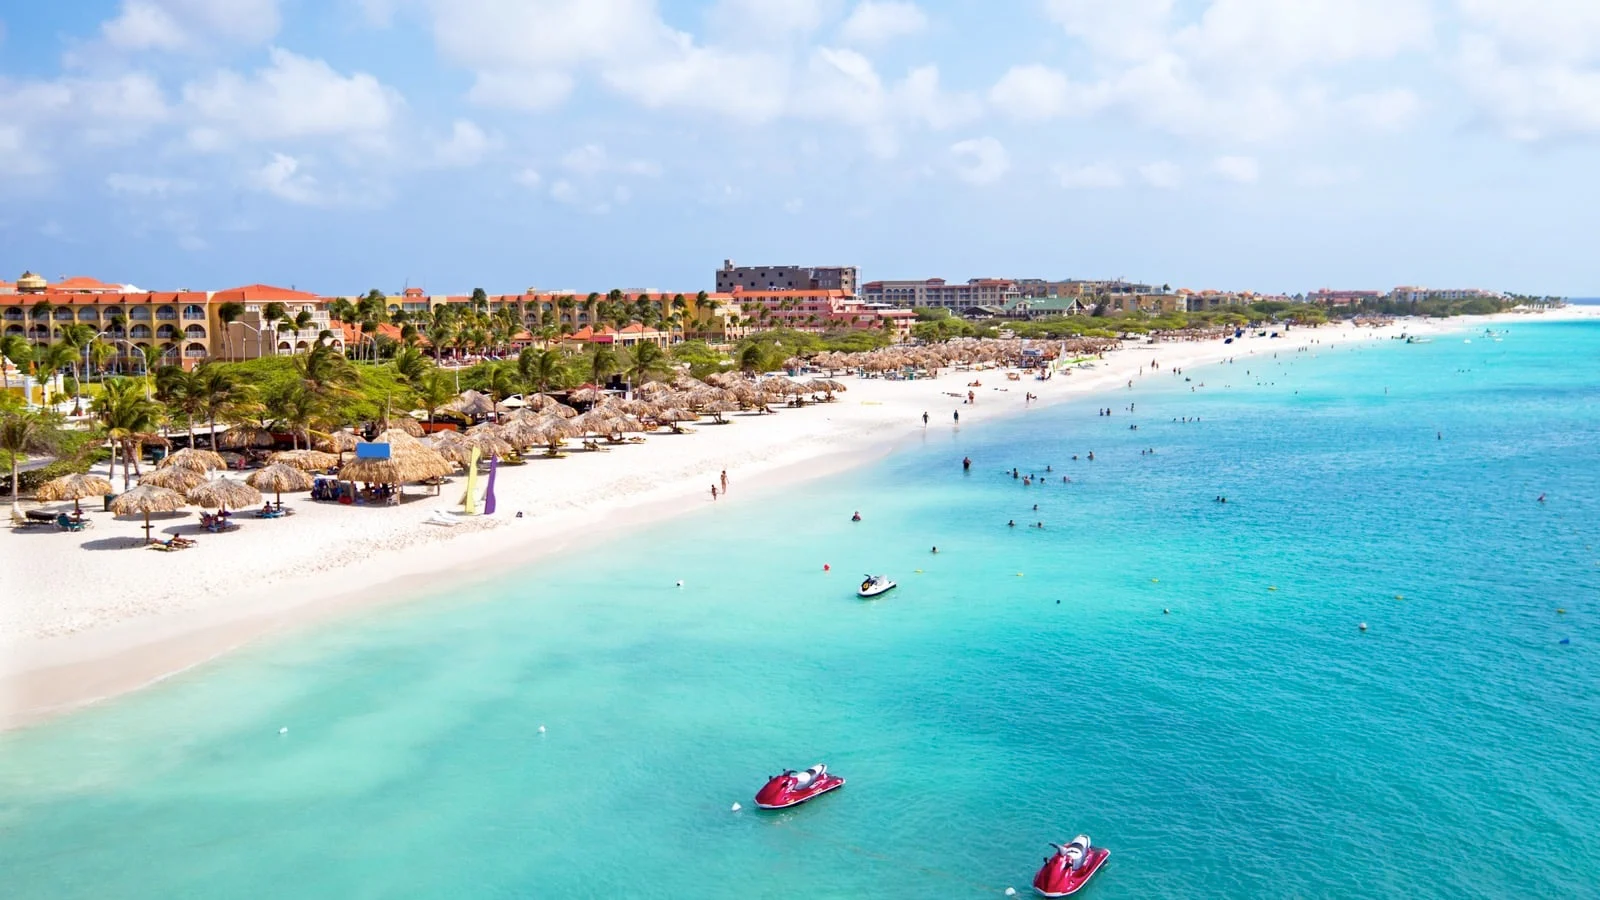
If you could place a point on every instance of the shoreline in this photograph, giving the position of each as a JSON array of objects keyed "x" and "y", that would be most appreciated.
[{"x": 288, "y": 575}]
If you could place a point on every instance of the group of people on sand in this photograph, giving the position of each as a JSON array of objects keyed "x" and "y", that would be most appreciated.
[{"x": 714, "y": 492}]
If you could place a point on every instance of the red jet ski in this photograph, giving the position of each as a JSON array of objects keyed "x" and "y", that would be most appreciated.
[
  {"x": 793, "y": 788},
  {"x": 1070, "y": 869}
]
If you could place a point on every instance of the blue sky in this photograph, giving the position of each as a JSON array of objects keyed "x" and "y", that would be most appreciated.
[{"x": 348, "y": 144}]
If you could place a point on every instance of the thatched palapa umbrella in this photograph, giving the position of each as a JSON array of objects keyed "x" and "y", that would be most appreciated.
[
  {"x": 221, "y": 493},
  {"x": 147, "y": 499},
  {"x": 472, "y": 403},
  {"x": 587, "y": 395},
  {"x": 409, "y": 460},
  {"x": 193, "y": 458},
  {"x": 452, "y": 445},
  {"x": 278, "y": 478},
  {"x": 174, "y": 478},
  {"x": 75, "y": 488},
  {"x": 309, "y": 460},
  {"x": 240, "y": 436}
]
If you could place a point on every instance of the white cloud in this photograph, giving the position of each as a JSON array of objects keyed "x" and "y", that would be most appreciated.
[
  {"x": 466, "y": 146},
  {"x": 843, "y": 85},
  {"x": 980, "y": 160},
  {"x": 1385, "y": 110},
  {"x": 564, "y": 191},
  {"x": 1532, "y": 69},
  {"x": 190, "y": 24},
  {"x": 283, "y": 179},
  {"x": 748, "y": 86},
  {"x": 133, "y": 184},
  {"x": 1321, "y": 176},
  {"x": 592, "y": 159},
  {"x": 1238, "y": 169},
  {"x": 769, "y": 17},
  {"x": 1120, "y": 29},
  {"x": 528, "y": 178},
  {"x": 294, "y": 97},
  {"x": 879, "y": 21},
  {"x": 545, "y": 35},
  {"x": 1094, "y": 176},
  {"x": 1164, "y": 175},
  {"x": 1040, "y": 92},
  {"x": 1269, "y": 34},
  {"x": 528, "y": 91}
]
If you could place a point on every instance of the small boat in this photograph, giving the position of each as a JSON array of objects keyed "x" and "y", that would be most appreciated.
[
  {"x": 793, "y": 788},
  {"x": 875, "y": 585},
  {"x": 1073, "y": 864},
  {"x": 1419, "y": 340}
]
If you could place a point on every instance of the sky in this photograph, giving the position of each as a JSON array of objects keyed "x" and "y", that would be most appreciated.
[{"x": 341, "y": 145}]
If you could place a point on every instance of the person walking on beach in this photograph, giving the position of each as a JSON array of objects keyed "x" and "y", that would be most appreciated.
[
  {"x": 924, "y": 418},
  {"x": 958, "y": 416},
  {"x": 724, "y": 481},
  {"x": 713, "y": 493}
]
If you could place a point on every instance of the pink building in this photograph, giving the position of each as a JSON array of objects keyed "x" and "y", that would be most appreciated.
[{"x": 819, "y": 311}]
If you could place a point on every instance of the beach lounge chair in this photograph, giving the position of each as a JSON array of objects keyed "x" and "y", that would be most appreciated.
[
  {"x": 173, "y": 543},
  {"x": 67, "y": 523}
]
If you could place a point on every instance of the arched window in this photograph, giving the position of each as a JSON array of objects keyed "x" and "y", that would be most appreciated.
[
  {"x": 194, "y": 312},
  {"x": 302, "y": 346},
  {"x": 15, "y": 314},
  {"x": 166, "y": 313},
  {"x": 139, "y": 314},
  {"x": 195, "y": 332},
  {"x": 283, "y": 347},
  {"x": 87, "y": 314},
  {"x": 142, "y": 331},
  {"x": 166, "y": 332},
  {"x": 63, "y": 314},
  {"x": 195, "y": 351},
  {"x": 13, "y": 329}
]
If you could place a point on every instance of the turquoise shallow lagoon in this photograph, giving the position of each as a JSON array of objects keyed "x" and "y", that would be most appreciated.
[{"x": 1020, "y": 686}]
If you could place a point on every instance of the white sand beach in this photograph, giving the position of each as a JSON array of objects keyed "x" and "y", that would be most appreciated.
[{"x": 82, "y": 617}]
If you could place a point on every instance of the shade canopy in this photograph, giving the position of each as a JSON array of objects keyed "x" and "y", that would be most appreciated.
[
  {"x": 176, "y": 478},
  {"x": 409, "y": 460},
  {"x": 193, "y": 458},
  {"x": 279, "y": 478},
  {"x": 311, "y": 460},
  {"x": 146, "y": 499},
  {"x": 221, "y": 493},
  {"x": 74, "y": 487}
]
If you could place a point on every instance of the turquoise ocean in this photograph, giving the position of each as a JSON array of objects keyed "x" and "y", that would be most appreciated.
[{"x": 1184, "y": 680}]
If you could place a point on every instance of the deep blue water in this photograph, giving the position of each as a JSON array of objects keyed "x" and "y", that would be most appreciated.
[{"x": 1019, "y": 687}]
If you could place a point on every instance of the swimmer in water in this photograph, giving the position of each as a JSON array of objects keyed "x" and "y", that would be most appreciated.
[{"x": 856, "y": 517}]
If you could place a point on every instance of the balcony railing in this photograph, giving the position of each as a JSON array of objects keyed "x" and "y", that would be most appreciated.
[{"x": 194, "y": 354}]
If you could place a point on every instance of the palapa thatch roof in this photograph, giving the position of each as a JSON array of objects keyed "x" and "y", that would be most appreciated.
[
  {"x": 278, "y": 478},
  {"x": 472, "y": 403},
  {"x": 241, "y": 436},
  {"x": 586, "y": 395},
  {"x": 409, "y": 460},
  {"x": 490, "y": 440},
  {"x": 223, "y": 493},
  {"x": 193, "y": 458},
  {"x": 74, "y": 487},
  {"x": 338, "y": 442},
  {"x": 174, "y": 478},
  {"x": 310, "y": 460},
  {"x": 146, "y": 499},
  {"x": 452, "y": 445}
]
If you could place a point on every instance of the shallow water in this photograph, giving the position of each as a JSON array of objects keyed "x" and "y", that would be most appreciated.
[{"x": 1020, "y": 686}]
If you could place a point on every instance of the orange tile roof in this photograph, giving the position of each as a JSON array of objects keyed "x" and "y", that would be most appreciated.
[
  {"x": 84, "y": 283},
  {"x": 262, "y": 293},
  {"x": 78, "y": 299}
]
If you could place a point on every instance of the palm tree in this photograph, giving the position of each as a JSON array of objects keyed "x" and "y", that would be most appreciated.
[
  {"x": 500, "y": 382},
  {"x": 23, "y": 432},
  {"x": 602, "y": 362},
  {"x": 591, "y": 305},
  {"x": 646, "y": 362},
  {"x": 126, "y": 414},
  {"x": 221, "y": 393},
  {"x": 182, "y": 392},
  {"x": 15, "y": 349},
  {"x": 326, "y": 372},
  {"x": 52, "y": 358},
  {"x": 341, "y": 310},
  {"x": 410, "y": 365},
  {"x": 540, "y": 367},
  {"x": 41, "y": 310},
  {"x": 101, "y": 353},
  {"x": 78, "y": 336},
  {"x": 297, "y": 408},
  {"x": 227, "y": 314},
  {"x": 151, "y": 356},
  {"x": 271, "y": 315},
  {"x": 434, "y": 392},
  {"x": 302, "y": 322}
]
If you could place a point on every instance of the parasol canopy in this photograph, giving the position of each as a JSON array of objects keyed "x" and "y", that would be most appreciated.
[
  {"x": 175, "y": 478},
  {"x": 221, "y": 493},
  {"x": 278, "y": 478},
  {"x": 193, "y": 458},
  {"x": 146, "y": 499},
  {"x": 309, "y": 460},
  {"x": 74, "y": 487},
  {"x": 409, "y": 460}
]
